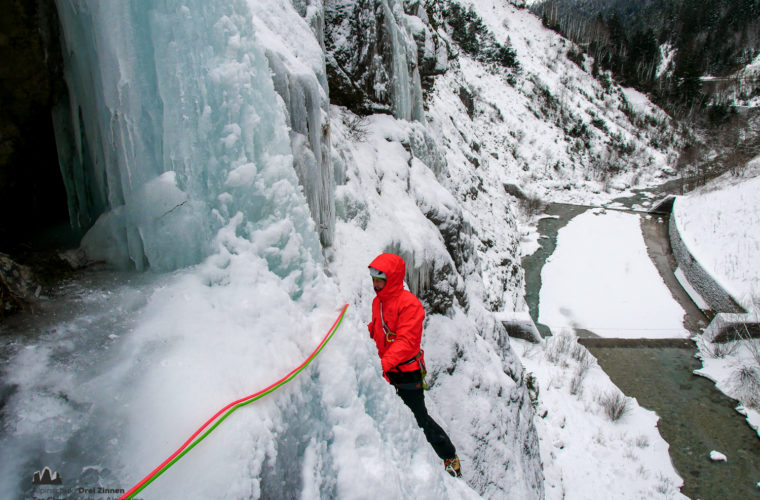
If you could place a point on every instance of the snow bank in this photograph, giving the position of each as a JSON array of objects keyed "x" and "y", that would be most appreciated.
[
  {"x": 720, "y": 224},
  {"x": 584, "y": 451}
]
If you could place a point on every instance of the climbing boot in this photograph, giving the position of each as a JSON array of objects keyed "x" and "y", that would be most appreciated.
[{"x": 452, "y": 467}]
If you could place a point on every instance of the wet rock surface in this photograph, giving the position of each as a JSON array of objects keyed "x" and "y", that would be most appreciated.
[
  {"x": 17, "y": 285},
  {"x": 31, "y": 83}
]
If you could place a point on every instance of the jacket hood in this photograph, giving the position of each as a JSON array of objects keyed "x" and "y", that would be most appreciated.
[{"x": 395, "y": 269}]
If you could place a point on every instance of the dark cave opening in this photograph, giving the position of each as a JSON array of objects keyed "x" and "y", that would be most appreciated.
[{"x": 33, "y": 198}]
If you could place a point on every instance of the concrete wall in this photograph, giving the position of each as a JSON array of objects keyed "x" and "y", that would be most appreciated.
[{"x": 718, "y": 299}]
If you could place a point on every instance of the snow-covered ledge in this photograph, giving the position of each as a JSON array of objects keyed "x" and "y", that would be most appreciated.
[
  {"x": 731, "y": 326},
  {"x": 519, "y": 325}
]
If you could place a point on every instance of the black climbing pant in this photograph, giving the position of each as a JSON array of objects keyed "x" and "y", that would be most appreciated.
[{"x": 437, "y": 437}]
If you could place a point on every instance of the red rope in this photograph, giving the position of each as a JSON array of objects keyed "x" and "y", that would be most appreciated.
[{"x": 229, "y": 409}]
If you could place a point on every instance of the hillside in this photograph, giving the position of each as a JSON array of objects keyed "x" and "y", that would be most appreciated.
[{"x": 667, "y": 47}]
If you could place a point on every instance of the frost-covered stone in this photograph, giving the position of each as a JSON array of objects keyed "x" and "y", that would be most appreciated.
[
  {"x": 717, "y": 456},
  {"x": 372, "y": 57},
  {"x": 17, "y": 284}
]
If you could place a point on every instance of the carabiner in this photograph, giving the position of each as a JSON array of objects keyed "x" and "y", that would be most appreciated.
[{"x": 388, "y": 334}]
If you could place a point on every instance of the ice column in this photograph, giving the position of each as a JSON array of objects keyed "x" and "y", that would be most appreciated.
[
  {"x": 295, "y": 52},
  {"x": 174, "y": 127},
  {"x": 406, "y": 88}
]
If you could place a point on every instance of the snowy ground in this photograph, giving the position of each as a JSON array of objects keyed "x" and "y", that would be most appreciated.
[
  {"x": 720, "y": 224},
  {"x": 587, "y": 454},
  {"x": 600, "y": 278}
]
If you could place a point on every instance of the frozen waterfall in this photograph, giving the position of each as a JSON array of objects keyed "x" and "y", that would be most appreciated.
[
  {"x": 197, "y": 143},
  {"x": 174, "y": 126},
  {"x": 177, "y": 150}
]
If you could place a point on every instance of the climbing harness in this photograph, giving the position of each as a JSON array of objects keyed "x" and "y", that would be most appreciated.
[
  {"x": 423, "y": 372},
  {"x": 227, "y": 411}
]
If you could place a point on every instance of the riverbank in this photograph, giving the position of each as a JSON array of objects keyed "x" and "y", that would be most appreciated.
[
  {"x": 660, "y": 378},
  {"x": 719, "y": 224},
  {"x": 584, "y": 448}
]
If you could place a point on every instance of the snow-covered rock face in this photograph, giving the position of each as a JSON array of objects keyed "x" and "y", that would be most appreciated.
[
  {"x": 372, "y": 57},
  {"x": 389, "y": 198}
]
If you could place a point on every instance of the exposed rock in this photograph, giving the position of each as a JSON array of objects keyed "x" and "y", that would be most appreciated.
[
  {"x": 514, "y": 190},
  {"x": 17, "y": 285},
  {"x": 468, "y": 100},
  {"x": 372, "y": 57},
  {"x": 31, "y": 82}
]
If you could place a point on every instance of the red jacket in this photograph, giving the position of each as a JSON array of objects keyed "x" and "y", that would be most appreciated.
[{"x": 403, "y": 314}]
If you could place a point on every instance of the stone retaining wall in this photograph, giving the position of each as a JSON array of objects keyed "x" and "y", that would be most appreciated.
[{"x": 718, "y": 299}]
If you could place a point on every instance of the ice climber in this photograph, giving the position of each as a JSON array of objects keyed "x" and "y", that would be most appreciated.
[{"x": 396, "y": 327}]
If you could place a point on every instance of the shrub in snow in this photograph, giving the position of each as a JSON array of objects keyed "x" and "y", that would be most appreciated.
[
  {"x": 642, "y": 441},
  {"x": 745, "y": 381},
  {"x": 576, "y": 55},
  {"x": 614, "y": 403},
  {"x": 576, "y": 384},
  {"x": 600, "y": 124},
  {"x": 717, "y": 350},
  {"x": 665, "y": 486},
  {"x": 558, "y": 347},
  {"x": 582, "y": 356},
  {"x": 357, "y": 127},
  {"x": 585, "y": 361},
  {"x": 753, "y": 346},
  {"x": 532, "y": 384}
]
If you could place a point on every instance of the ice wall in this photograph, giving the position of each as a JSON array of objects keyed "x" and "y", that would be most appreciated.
[
  {"x": 298, "y": 71},
  {"x": 174, "y": 126},
  {"x": 189, "y": 127}
]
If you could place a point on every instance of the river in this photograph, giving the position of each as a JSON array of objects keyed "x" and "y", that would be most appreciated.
[{"x": 695, "y": 417}]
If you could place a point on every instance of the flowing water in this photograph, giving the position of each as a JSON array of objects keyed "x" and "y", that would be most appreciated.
[
  {"x": 558, "y": 215},
  {"x": 695, "y": 418}
]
